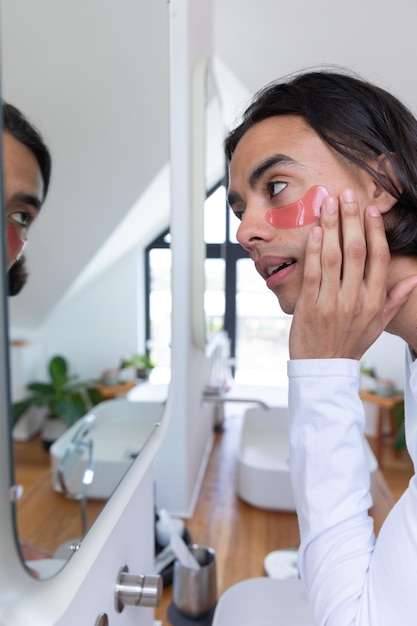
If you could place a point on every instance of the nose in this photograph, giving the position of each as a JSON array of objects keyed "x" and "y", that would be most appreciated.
[{"x": 254, "y": 228}]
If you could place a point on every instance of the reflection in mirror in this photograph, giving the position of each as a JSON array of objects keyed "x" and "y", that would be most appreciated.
[
  {"x": 208, "y": 133},
  {"x": 214, "y": 211},
  {"x": 102, "y": 109}
]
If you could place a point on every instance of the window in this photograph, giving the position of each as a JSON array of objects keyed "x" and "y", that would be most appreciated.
[{"x": 236, "y": 299}]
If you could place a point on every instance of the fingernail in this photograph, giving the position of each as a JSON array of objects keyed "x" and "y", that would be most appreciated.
[
  {"x": 373, "y": 211},
  {"x": 348, "y": 195},
  {"x": 330, "y": 204},
  {"x": 316, "y": 233}
]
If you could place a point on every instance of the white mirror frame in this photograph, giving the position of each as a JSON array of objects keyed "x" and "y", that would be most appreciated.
[
  {"x": 83, "y": 584},
  {"x": 24, "y": 600}
]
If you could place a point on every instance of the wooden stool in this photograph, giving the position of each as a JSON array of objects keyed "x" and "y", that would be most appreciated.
[{"x": 386, "y": 406}]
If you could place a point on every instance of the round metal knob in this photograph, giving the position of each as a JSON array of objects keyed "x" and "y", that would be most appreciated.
[{"x": 137, "y": 590}]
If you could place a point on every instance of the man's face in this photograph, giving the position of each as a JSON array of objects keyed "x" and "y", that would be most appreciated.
[
  {"x": 23, "y": 194},
  {"x": 276, "y": 162}
]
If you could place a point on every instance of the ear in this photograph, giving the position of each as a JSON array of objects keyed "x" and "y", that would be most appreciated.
[{"x": 383, "y": 199}]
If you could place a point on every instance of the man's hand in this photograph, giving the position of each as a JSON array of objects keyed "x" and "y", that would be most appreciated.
[{"x": 344, "y": 306}]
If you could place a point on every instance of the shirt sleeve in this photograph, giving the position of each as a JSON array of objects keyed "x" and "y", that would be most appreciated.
[
  {"x": 351, "y": 579},
  {"x": 331, "y": 486}
]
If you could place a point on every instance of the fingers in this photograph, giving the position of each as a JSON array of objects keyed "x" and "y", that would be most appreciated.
[
  {"x": 378, "y": 254},
  {"x": 331, "y": 249},
  {"x": 344, "y": 252},
  {"x": 397, "y": 297},
  {"x": 343, "y": 305},
  {"x": 354, "y": 243},
  {"x": 312, "y": 267}
]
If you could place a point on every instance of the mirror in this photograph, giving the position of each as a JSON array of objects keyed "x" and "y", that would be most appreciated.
[
  {"x": 207, "y": 137},
  {"x": 94, "y": 80}
]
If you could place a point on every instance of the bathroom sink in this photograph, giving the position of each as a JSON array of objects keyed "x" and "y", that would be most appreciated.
[
  {"x": 263, "y": 471},
  {"x": 118, "y": 429},
  {"x": 264, "y": 602}
]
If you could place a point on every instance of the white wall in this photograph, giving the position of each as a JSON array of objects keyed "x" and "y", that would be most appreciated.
[
  {"x": 103, "y": 322},
  {"x": 387, "y": 357}
]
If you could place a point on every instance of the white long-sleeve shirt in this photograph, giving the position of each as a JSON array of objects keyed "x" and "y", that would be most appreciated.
[{"x": 351, "y": 579}]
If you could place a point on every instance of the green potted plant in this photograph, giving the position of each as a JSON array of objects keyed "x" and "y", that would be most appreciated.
[
  {"x": 65, "y": 398},
  {"x": 142, "y": 363}
]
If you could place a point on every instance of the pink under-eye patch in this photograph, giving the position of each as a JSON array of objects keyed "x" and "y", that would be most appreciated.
[
  {"x": 301, "y": 213},
  {"x": 15, "y": 243}
]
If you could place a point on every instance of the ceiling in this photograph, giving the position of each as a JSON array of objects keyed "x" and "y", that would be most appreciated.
[
  {"x": 93, "y": 75},
  {"x": 94, "y": 78}
]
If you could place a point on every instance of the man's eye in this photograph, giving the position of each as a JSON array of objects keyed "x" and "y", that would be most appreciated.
[
  {"x": 276, "y": 188},
  {"x": 22, "y": 218},
  {"x": 239, "y": 215}
]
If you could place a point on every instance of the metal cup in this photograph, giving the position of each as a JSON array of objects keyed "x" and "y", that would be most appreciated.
[{"x": 195, "y": 591}]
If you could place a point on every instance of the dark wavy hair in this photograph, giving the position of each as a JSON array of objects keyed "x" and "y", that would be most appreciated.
[
  {"x": 17, "y": 125},
  {"x": 17, "y": 276},
  {"x": 361, "y": 122}
]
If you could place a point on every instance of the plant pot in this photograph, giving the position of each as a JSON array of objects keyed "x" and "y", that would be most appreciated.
[
  {"x": 30, "y": 424},
  {"x": 126, "y": 374},
  {"x": 142, "y": 373},
  {"x": 53, "y": 428}
]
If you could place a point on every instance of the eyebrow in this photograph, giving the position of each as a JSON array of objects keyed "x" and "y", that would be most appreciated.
[
  {"x": 29, "y": 199},
  {"x": 264, "y": 166},
  {"x": 260, "y": 169}
]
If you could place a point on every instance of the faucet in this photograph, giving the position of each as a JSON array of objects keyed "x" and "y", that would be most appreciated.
[{"x": 213, "y": 395}]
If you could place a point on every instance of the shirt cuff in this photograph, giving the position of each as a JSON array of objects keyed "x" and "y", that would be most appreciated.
[{"x": 297, "y": 368}]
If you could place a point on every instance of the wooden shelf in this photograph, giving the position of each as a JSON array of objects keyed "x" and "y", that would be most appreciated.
[
  {"x": 113, "y": 391},
  {"x": 386, "y": 415}
]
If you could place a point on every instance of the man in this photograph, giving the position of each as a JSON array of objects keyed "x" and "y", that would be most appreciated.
[
  {"x": 323, "y": 176},
  {"x": 26, "y": 177}
]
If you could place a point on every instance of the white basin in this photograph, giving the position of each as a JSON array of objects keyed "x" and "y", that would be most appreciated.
[
  {"x": 264, "y": 602},
  {"x": 118, "y": 429},
  {"x": 263, "y": 473}
]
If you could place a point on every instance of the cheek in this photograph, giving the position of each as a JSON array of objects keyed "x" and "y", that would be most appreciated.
[
  {"x": 15, "y": 246},
  {"x": 298, "y": 214}
]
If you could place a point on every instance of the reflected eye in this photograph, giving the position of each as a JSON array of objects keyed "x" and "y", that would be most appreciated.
[{"x": 22, "y": 218}]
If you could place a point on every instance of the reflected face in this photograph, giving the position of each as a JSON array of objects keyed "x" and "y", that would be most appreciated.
[
  {"x": 276, "y": 163},
  {"x": 23, "y": 194}
]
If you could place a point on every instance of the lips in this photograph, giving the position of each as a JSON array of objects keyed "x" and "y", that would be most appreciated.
[
  {"x": 273, "y": 270},
  {"x": 269, "y": 266}
]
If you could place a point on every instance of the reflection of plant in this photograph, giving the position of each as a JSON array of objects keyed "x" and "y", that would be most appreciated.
[
  {"x": 140, "y": 361},
  {"x": 65, "y": 396}
]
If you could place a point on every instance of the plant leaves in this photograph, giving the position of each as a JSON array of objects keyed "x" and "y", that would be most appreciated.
[
  {"x": 58, "y": 368},
  {"x": 399, "y": 438},
  {"x": 41, "y": 388},
  {"x": 70, "y": 409},
  {"x": 94, "y": 395},
  {"x": 65, "y": 396}
]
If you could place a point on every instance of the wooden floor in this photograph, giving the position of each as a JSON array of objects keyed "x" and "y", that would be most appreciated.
[
  {"x": 44, "y": 517},
  {"x": 240, "y": 534}
]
